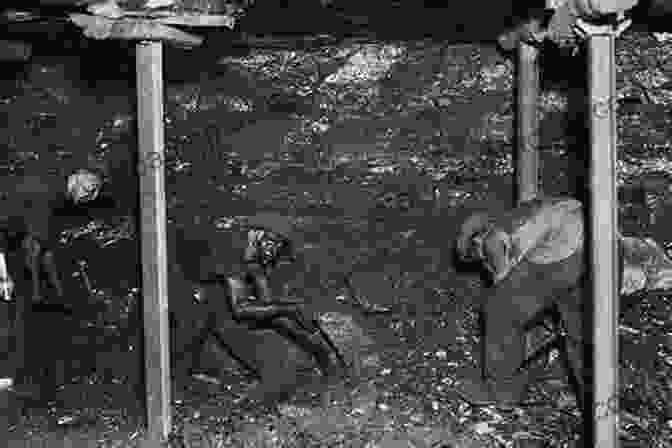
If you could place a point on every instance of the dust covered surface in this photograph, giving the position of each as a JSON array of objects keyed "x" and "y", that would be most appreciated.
[{"x": 377, "y": 155}]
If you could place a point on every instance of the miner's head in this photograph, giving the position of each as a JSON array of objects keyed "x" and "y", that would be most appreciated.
[
  {"x": 268, "y": 240},
  {"x": 470, "y": 239},
  {"x": 480, "y": 241},
  {"x": 83, "y": 186}
]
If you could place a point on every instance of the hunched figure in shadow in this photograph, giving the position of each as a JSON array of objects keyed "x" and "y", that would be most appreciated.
[
  {"x": 247, "y": 299},
  {"x": 534, "y": 255},
  {"x": 28, "y": 209}
]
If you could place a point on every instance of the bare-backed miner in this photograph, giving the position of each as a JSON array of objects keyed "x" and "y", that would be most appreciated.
[{"x": 534, "y": 256}]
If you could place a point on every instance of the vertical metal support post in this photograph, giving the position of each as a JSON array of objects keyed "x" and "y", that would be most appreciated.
[
  {"x": 149, "y": 66},
  {"x": 527, "y": 133},
  {"x": 527, "y": 123},
  {"x": 603, "y": 222}
]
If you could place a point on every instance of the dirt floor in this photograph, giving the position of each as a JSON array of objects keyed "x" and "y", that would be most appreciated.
[{"x": 377, "y": 150}]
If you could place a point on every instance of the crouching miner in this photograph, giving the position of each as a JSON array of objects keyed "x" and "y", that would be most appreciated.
[
  {"x": 27, "y": 213},
  {"x": 534, "y": 256},
  {"x": 28, "y": 207},
  {"x": 247, "y": 298}
]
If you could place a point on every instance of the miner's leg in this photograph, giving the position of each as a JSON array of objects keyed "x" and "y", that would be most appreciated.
[
  {"x": 287, "y": 321},
  {"x": 198, "y": 322},
  {"x": 572, "y": 353},
  {"x": 546, "y": 325},
  {"x": 312, "y": 343},
  {"x": 32, "y": 249},
  {"x": 216, "y": 311},
  {"x": 504, "y": 353},
  {"x": 507, "y": 309},
  {"x": 50, "y": 269},
  {"x": 189, "y": 336},
  {"x": 51, "y": 369},
  {"x": 22, "y": 320},
  {"x": 519, "y": 299},
  {"x": 225, "y": 345}
]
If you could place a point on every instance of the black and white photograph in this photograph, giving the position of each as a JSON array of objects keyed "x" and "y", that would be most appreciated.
[{"x": 335, "y": 224}]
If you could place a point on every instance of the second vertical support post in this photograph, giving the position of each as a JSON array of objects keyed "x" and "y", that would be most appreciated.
[
  {"x": 527, "y": 123},
  {"x": 603, "y": 230}
]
